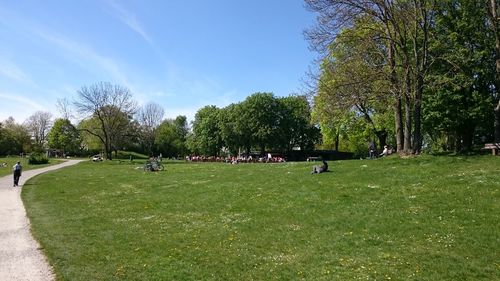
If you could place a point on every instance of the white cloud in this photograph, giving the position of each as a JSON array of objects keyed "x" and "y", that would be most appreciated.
[
  {"x": 14, "y": 72},
  {"x": 85, "y": 56},
  {"x": 130, "y": 20},
  {"x": 18, "y": 106}
]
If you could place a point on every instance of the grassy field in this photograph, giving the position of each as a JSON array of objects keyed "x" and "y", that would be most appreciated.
[
  {"x": 424, "y": 218},
  {"x": 11, "y": 161}
]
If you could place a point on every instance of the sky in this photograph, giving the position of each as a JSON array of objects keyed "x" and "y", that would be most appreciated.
[{"x": 180, "y": 54}]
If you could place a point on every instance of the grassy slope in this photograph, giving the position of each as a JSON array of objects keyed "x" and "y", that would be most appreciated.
[
  {"x": 427, "y": 218},
  {"x": 11, "y": 161}
]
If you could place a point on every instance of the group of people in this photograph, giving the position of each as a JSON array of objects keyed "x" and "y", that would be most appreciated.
[
  {"x": 237, "y": 159},
  {"x": 372, "y": 153}
]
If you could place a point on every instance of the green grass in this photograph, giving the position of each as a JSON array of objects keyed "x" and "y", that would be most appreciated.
[
  {"x": 424, "y": 218},
  {"x": 11, "y": 161}
]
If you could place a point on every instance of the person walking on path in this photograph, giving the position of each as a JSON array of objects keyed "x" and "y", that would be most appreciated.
[
  {"x": 17, "y": 173},
  {"x": 21, "y": 258}
]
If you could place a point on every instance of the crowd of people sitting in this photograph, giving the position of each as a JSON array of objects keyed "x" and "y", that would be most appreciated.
[{"x": 237, "y": 159}]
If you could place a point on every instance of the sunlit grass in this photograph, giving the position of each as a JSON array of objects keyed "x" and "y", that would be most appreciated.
[
  {"x": 424, "y": 218},
  {"x": 11, "y": 161}
]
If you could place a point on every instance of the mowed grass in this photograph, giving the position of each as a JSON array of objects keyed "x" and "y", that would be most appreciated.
[
  {"x": 11, "y": 161},
  {"x": 423, "y": 218}
]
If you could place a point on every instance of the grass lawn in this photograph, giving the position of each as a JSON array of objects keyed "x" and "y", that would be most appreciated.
[
  {"x": 424, "y": 218},
  {"x": 11, "y": 161}
]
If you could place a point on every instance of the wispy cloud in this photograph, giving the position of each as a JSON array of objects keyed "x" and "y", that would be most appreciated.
[
  {"x": 14, "y": 72},
  {"x": 130, "y": 20},
  {"x": 19, "y": 99},
  {"x": 85, "y": 56}
]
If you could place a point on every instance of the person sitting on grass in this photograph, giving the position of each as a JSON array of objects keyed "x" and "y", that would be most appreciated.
[
  {"x": 385, "y": 152},
  {"x": 320, "y": 169}
]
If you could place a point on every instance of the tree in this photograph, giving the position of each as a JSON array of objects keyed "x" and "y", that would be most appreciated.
[
  {"x": 493, "y": 7},
  {"x": 64, "y": 107},
  {"x": 14, "y": 138},
  {"x": 463, "y": 77},
  {"x": 296, "y": 129},
  {"x": 112, "y": 106},
  {"x": 171, "y": 137},
  {"x": 207, "y": 138},
  {"x": 261, "y": 112},
  {"x": 150, "y": 117},
  {"x": 39, "y": 125},
  {"x": 235, "y": 130},
  {"x": 353, "y": 79},
  {"x": 64, "y": 136},
  {"x": 405, "y": 26}
]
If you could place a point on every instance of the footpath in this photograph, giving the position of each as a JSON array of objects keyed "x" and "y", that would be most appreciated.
[{"x": 20, "y": 255}]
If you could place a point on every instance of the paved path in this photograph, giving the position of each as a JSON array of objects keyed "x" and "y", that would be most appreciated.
[{"x": 20, "y": 255}]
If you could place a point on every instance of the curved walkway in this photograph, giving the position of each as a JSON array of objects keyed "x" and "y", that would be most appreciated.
[{"x": 20, "y": 255}]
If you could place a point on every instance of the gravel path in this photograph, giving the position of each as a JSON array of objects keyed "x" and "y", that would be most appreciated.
[{"x": 20, "y": 255}]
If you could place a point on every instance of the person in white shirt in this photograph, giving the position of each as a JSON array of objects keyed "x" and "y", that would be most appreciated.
[{"x": 17, "y": 173}]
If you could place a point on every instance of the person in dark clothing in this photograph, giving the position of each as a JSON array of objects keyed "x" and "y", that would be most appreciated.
[
  {"x": 17, "y": 173},
  {"x": 371, "y": 150},
  {"x": 320, "y": 169}
]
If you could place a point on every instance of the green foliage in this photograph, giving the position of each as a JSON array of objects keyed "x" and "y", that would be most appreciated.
[
  {"x": 353, "y": 89},
  {"x": 64, "y": 136},
  {"x": 260, "y": 111},
  {"x": 262, "y": 122},
  {"x": 14, "y": 138},
  {"x": 37, "y": 158},
  {"x": 296, "y": 128},
  {"x": 207, "y": 139},
  {"x": 171, "y": 137},
  {"x": 422, "y": 218},
  {"x": 462, "y": 79}
]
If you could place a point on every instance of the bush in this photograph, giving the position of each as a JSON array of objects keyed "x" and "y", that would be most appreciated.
[{"x": 38, "y": 158}]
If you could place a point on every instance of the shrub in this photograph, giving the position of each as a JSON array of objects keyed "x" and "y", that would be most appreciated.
[{"x": 38, "y": 158}]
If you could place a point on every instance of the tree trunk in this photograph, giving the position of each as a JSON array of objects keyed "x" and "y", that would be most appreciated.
[
  {"x": 494, "y": 24},
  {"x": 417, "y": 116},
  {"x": 394, "y": 88},
  {"x": 398, "y": 124},
  {"x": 337, "y": 140},
  {"x": 497, "y": 122},
  {"x": 407, "y": 95},
  {"x": 382, "y": 139}
]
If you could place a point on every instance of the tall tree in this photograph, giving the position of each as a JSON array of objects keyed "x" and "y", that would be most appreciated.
[
  {"x": 493, "y": 12},
  {"x": 353, "y": 79},
  {"x": 171, "y": 137},
  {"x": 262, "y": 113},
  {"x": 235, "y": 129},
  {"x": 63, "y": 105},
  {"x": 296, "y": 129},
  {"x": 14, "y": 138},
  {"x": 64, "y": 136},
  {"x": 150, "y": 117},
  {"x": 112, "y": 106},
  {"x": 39, "y": 125},
  {"x": 406, "y": 28},
  {"x": 463, "y": 76},
  {"x": 207, "y": 138}
]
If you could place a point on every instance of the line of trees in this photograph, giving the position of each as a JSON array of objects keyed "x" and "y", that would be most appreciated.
[
  {"x": 262, "y": 122},
  {"x": 414, "y": 73},
  {"x": 110, "y": 120}
]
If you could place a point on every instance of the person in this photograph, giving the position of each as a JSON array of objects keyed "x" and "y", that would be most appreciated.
[
  {"x": 17, "y": 173},
  {"x": 385, "y": 152},
  {"x": 320, "y": 169},
  {"x": 371, "y": 149}
]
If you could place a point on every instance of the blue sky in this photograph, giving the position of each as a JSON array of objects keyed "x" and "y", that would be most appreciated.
[{"x": 182, "y": 55}]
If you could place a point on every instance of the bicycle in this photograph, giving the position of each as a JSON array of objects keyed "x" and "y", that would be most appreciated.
[{"x": 152, "y": 166}]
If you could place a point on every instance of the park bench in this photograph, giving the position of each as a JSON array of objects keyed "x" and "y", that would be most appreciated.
[
  {"x": 493, "y": 146},
  {"x": 311, "y": 159}
]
